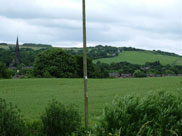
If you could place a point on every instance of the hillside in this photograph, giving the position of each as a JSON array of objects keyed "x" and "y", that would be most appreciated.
[
  {"x": 141, "y": 57},
  {"x": 31, "y": 46},
  {"x": 109, "y": 54}
]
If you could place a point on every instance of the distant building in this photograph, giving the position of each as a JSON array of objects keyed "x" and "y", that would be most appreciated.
[
  {"x": 115, "y": 75},
  {"x": 126, "y": 75}
]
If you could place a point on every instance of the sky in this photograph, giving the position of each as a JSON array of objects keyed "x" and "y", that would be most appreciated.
[{"x": 145, "y": 24}]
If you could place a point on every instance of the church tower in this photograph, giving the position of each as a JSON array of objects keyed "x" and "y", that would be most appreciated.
[{"x": 17, "y": 53}]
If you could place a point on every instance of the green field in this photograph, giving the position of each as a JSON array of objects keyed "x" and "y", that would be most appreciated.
[
  {"x": 32, "y": 95},
  {"x": 13, "y": 45},
  {"x": 141, "y": 57}
]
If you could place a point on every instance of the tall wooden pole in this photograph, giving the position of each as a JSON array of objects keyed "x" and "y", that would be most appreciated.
[{"x": 85, "y": 64}]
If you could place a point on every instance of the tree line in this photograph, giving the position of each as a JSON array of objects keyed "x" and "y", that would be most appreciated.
[{"x": 55, "y": 62}]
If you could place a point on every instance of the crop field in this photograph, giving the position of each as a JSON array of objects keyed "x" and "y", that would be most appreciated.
[
  {"x": 32, "y": 95},
  {"x": 141, "y": 57}
]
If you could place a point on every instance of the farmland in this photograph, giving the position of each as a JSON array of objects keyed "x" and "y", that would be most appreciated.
[
  {"x": 32, "y": 95},
  {"x": 141, "y": 57}
]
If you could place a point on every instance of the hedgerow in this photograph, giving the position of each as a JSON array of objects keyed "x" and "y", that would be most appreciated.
[{"x": 156, "y": 114}]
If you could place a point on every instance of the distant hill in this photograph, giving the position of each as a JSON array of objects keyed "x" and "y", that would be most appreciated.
[
  {"x": 109, "y": 54},
  {"x": 26, "y": 45},
  {"x": 141, "y": 57}
]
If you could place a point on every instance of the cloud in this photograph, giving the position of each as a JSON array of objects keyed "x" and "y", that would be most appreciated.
[{"x": 148, "y": 24}]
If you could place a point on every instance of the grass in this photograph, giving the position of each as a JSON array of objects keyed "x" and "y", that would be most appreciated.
[
  {"x": 13, "y": 45},
  {"x": 141, "y": 57},
  {"x": 32, "y": 95}
]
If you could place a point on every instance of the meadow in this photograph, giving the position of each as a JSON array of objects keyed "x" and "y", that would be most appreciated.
[
  {"x": 32, "y": 95},
  {"x": 141, "y": 57},
  {"x": 25, "y": 47}
]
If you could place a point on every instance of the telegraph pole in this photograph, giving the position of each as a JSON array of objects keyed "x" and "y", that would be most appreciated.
[{"x": 85, "y": 64}]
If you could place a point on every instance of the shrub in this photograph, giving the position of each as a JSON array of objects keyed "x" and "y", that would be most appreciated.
[
  {"x": 82, "y": 132},
  {"x": 11, "y": 122},
  {"x": 60, "y": 120},
  {"x": 159, "y": 115},
  {"x": 34, "y": 128},
  {"x": 139, "y": 73}
]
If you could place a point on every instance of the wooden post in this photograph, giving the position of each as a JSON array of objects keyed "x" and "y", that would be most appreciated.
[{"x": 85, "y": 64}]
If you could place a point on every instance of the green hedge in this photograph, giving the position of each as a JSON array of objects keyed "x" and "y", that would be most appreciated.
[{"x": 157, "y": 114}]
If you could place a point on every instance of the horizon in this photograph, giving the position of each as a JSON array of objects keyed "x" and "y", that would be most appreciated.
[
  {"x": 20, "y": 44},
  {"x": 145, "y": 24}
]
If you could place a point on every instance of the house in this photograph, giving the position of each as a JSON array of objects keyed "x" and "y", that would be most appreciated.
[{"x": 126, "y": 75}]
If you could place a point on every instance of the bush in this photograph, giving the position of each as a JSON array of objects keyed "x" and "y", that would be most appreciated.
[
  {"x": 139, "y": 73},
  {"x": 159, "y": 115},
  {"x": 60, "y": 120},
  {"x": 11, "y": 122},
  {"x": 34, "y": 128}
]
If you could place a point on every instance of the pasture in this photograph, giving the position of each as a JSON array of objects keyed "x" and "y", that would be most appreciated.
[
  {"x": 25, "y": 47},
  {"x": 32, "y": 95},
  {"x": 141, "y": 57}
]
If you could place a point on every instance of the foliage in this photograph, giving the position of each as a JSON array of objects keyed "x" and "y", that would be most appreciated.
[
  {"x": 27, "y": 56},
  {"x": 55, "y": 63},
  {"x": 34, "y": 128},
  {"x": 31, "y": 95},
  {"x": 91, "y": 68},
  {"x": 155, "y": 114},
  {"x": 169, "y": 72},
  {"x": 4, "y": 71},
  {"x": 102, "y": 70},
  {"x": 141, "y": 57},
  {"x": 96, "y": 52},
  {"x": 165, "y": 53},
  {"x": 3, "y": 44},
  {"x": 139, "y": 73},
  {"x": 60, "y": 120},
  {"x": 36, "y": 45},
  {"x": 11, "y": 122},
  {"x": 82, "y": 132}
]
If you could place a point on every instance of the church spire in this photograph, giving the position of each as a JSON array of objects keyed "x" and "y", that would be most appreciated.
[
  {"x": 17, "y": 53},
  {"x": 17, "y": 43}
]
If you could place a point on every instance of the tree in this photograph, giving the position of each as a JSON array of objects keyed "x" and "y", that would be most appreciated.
[
  {"x": 4, "y": 72},
  {"x": 55, "y": 62},
  {"x": 139, "y": 73},
  {"x": 90, "y": 67}
]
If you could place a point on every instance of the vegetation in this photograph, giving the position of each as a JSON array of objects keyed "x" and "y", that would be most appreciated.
[
  {"x": 96, "y": 52},
  {"x": 157, "y": 114},
  {"x": 149, "y": 69},
  {"x": 3, "y": 44},
  {"x": 139, "y": 73},
  {"x": 57, "y": 63},
  {"x": 141, "y": 57},
  {"x": 11, "y": 122},
  {"x": 27, "y": 56},
  {"x": 52, "y": 67},
  {"x": 60, "y": 120},
  {"x": 4, "y": 71},
  {"x": 138, "y": 114},
  {"x": 32, "y": 95},
  {"x": 37, "y": 45}
]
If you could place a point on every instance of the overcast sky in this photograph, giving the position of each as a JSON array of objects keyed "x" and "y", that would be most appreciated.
[{"x": 146, "y": 24}]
